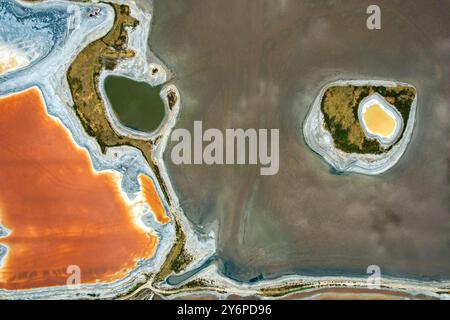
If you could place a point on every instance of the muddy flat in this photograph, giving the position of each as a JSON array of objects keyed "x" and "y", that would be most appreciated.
[{"x": 253, "y": 64}]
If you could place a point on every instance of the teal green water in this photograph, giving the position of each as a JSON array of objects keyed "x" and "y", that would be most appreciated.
[{"x": 137, "y": 105}]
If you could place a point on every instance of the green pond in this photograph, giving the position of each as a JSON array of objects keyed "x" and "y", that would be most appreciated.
[{"x": 137, "y": 105}]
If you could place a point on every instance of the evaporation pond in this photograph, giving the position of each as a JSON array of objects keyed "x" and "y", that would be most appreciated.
[{"x": 137, "y": 105}]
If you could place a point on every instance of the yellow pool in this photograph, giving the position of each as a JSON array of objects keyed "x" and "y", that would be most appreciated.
[{"x": 378, "y": 121}]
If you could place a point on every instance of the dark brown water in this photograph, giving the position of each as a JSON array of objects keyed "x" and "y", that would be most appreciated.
[{"x": 259, "y": 64}]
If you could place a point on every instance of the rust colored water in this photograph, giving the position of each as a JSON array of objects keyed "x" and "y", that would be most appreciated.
[
  {"x": 153, "y": 199},
  {"x": 60, "y": 211}
]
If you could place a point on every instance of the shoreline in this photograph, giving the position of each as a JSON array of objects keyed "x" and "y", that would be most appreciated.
[{"x": 288, "y": 285}]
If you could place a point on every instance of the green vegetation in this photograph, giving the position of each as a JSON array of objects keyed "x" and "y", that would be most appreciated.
[
  {"x": 177, "y": 260},
  {"x": 172, "y": 98},
  {"x": 201, "y": 285},
  {"x": 83, "y": 78},
  {"x": 284, "y": 290},
  {"x": 339, "y": 106}
]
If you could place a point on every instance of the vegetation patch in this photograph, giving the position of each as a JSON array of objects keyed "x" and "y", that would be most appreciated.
[
  {"x": 339, "y": 106},
  {"x": 83, "y": 78},
  {"x": 178, "y": 259},
  {"x": 284, "y": 290}
]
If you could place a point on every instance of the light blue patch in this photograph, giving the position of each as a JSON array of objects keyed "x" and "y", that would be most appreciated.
[{"x": 35, "y": 31}]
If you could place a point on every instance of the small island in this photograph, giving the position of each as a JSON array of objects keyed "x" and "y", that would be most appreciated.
[{"x": 361, "y": 126}]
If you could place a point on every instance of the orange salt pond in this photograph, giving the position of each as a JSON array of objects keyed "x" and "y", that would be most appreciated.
[
  {"x": 153, "y": 199},
  {"x": 378, "y": 121},
  {"x": 59, "y": 210}
]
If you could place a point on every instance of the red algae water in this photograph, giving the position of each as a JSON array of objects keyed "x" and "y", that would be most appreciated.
[
  {"x": 152, "y": 198},
  {"x": 60, "y": 212}
]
